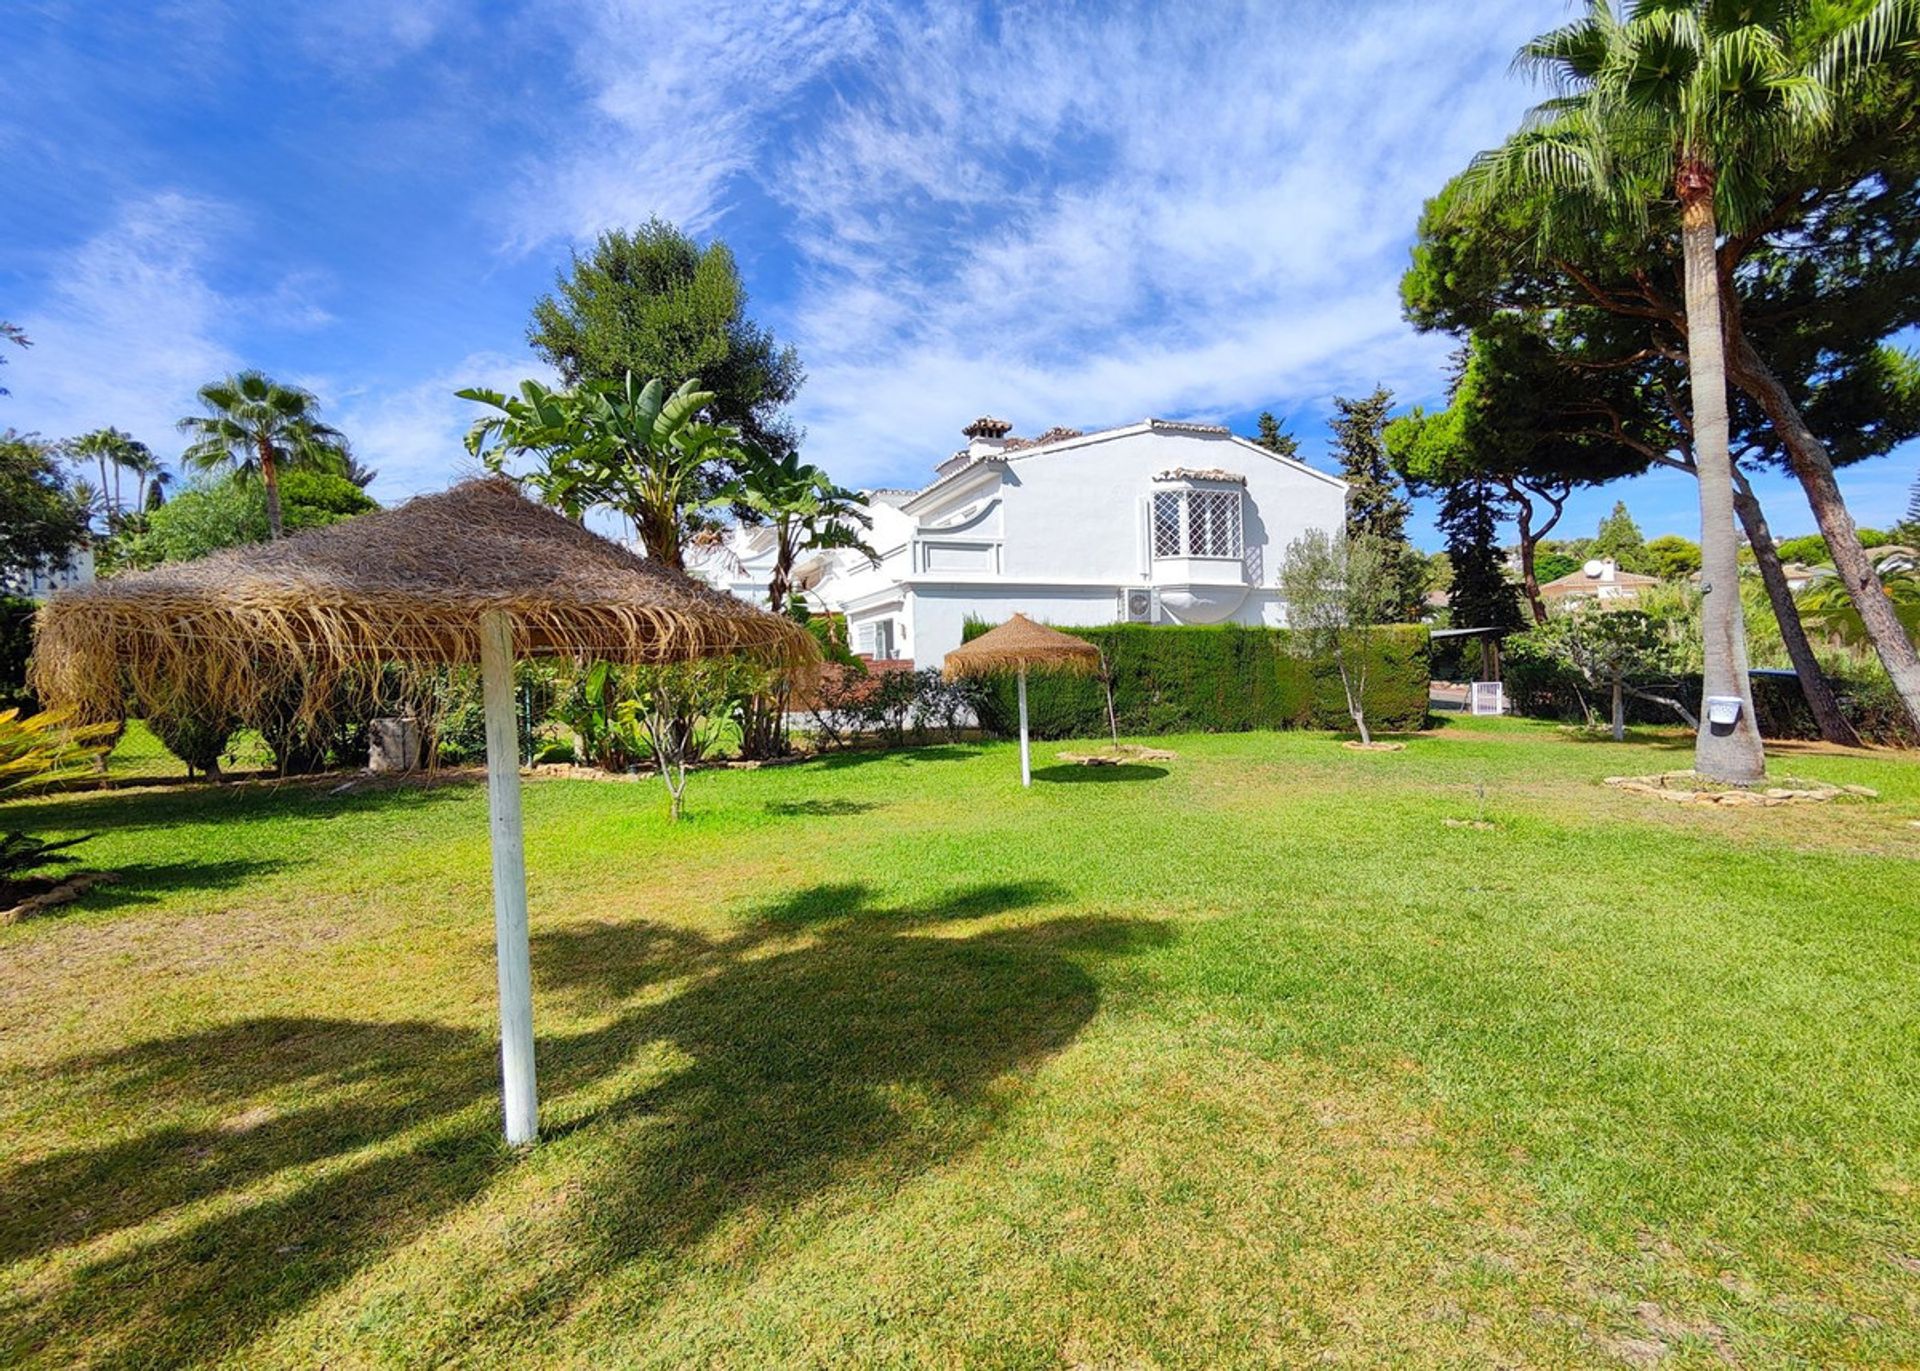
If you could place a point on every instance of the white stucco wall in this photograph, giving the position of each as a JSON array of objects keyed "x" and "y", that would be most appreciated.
[{"x": 1057, "y": 533}]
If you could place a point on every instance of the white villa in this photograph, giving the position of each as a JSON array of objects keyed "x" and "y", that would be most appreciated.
[
  {"x": 1154, "y": 522},
  {"x": 38, "y": 582}
]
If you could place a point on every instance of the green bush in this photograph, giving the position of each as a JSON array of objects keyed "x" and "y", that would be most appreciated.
[
  {"x": 1540, "y": 687},
  {"x": 16, "y": 645},
  {"x": 1214, "y": 679},
  {"x": 457, "y": 718},
  {"x": 197, "y": 736}
]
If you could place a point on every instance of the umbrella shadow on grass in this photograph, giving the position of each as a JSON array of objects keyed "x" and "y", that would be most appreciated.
[
  {"x": 860, "y": 1043},
  {"x": 1099, "y": 775},
  {"x": 148, "y": 882}
]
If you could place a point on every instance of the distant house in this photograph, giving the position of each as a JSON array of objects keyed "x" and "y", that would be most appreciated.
[
  {"x": 37, "y": 583},
  {"x": 1156, "y": 523},
  {"x": 1799, "y": 575},
  {"x": 1597, "y": 580}
]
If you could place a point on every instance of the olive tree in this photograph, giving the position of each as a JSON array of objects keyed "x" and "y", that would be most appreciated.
[{"x": 1338, "y": 590}]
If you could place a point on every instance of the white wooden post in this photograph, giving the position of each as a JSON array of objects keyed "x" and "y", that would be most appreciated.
[
  {"x": 1026, "y": 766},
  {"x": 509, "y": 881}
]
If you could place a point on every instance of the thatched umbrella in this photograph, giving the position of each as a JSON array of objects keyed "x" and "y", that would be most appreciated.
[
  {"x": 479, "y": 573},
  {"x": 1017, "y": 644}
]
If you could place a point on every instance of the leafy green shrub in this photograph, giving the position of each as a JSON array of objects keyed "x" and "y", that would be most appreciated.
[
  {"x": 340, "y": 734},
  {"x": 223, "y": 511},
  {"x": 1538, "y": 686},
  {"x": 1222, "y": 678},
  {"x": 195, "y": 734},
  {"x": 16, "y": 646},
  {"x": 458, "y": 717}
]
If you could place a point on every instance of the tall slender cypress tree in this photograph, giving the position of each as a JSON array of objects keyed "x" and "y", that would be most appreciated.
[{"x": 1481, "y": 595}]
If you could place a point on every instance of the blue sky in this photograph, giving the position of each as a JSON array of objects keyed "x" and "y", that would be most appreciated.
[{"x": 1061, "y": 214}]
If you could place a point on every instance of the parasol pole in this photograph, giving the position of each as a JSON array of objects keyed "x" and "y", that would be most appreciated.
[
  {"x": 509, "y": 881},
  {"x": 1026, "y": 765}
]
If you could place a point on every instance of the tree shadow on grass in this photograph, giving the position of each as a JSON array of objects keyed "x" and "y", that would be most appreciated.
[
  {"x": 150, "y": 882},
  {"x": 1638, "y": 735},
  {"x": 799, "y": 809},
  {"x": 831, "y": 1040},
  {"x": 900, "y": 756},
  {"x": 105, "y": 811},
  {"x": 1074, "y": 774}
]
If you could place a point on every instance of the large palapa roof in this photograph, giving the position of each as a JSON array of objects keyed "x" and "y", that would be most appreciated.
[{"x": 406, "y": 584}]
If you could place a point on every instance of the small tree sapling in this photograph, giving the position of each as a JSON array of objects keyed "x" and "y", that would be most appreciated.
[{"x": 1338, "y": 589}]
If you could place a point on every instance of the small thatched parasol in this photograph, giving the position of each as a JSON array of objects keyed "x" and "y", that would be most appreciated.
[
  {"x": 479, "y": 573},
  {"x": 1015, "y": 646}
]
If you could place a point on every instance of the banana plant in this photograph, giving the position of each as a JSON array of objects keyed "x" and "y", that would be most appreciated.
[
  {"x": 805, "y": 509},
  {"x": 630, "y": 446},
  {"x": 544, "y": 424}
]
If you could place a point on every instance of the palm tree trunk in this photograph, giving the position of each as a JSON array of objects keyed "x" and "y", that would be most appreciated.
[
  {"x": 1814, "y": 684},
  {"x": 1728, "y": 753},
  {"x": 1807, "y": 455},
  {"x": 270, "y": 479}
]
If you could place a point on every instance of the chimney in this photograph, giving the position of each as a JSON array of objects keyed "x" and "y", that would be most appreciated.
[{"x": 986, "y": 435}]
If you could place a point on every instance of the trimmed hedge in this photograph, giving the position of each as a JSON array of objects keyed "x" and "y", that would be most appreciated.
[{"x": 1215, "y": 679}]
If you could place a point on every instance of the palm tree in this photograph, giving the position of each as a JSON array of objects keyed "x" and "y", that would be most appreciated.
[
  {"x": 12, "y": 333},
  {"x": 150, "y": 474},
  {"x": 1699, "y": 103},
  {"x": 806, "y": 511},
  {"x": 89, "y": 500},
  {"x": 253, "y": 423},
  {"x": 113, "y": 451}
]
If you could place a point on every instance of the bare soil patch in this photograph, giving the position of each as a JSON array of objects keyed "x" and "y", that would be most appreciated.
[{"x": 1687, "y": 787}]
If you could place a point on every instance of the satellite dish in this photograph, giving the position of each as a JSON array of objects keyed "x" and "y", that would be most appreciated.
[{"x": 1594, "y": 568}]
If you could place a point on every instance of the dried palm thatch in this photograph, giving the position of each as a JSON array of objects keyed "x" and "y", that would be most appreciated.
[
  {"x": 1018, "y": 643},
  {"x": 406, "y": 585}
]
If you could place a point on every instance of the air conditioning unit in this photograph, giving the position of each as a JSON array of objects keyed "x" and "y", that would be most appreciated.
[{"x": 1140, "y": 605}]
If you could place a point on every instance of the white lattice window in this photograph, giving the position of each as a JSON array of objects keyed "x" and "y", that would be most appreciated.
[
  {"x": 1213, "y": 523},
  {"x": 1169, "y": 522},
  {"x": 1196, "y": 523}
]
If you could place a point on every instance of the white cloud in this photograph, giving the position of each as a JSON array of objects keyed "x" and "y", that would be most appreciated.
[
  {"x": 130, "y": 326},
  {"x": 412, "y": 435},
  {"x": 132, "y": 323},
  {"x": 683, "y": 95},
  {"x": 1129, "y": 214},
  {"x": 1061, "y": 214}
]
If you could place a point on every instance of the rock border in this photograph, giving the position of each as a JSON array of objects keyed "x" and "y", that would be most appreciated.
[
  {"x": 56, "y": 894},
  {"x": 1686, "y": 787}
]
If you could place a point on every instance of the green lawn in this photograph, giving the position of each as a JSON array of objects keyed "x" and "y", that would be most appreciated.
[{"x": 1245, "y": 1058}]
